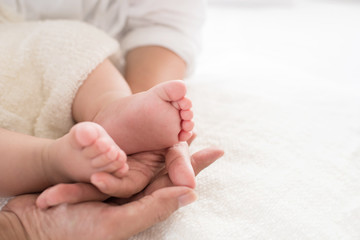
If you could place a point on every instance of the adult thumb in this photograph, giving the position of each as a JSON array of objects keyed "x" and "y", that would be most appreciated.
[{"x": 135, "y": 217}]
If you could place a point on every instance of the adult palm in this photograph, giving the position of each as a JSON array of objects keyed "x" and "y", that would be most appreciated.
[{"x": 118, "y": 219}]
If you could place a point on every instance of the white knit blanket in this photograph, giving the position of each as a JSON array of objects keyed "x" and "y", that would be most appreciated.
[
  {"x": 42, "y": 65},
  {"x": 292, "y": 163},
  {"x": 291, "y": 168}
]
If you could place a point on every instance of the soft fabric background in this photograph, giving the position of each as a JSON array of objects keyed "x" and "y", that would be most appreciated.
[{"x": 278, "y": 88}]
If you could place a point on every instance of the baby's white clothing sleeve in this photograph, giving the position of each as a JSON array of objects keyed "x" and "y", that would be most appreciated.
[{"x": 173, "y": 24}]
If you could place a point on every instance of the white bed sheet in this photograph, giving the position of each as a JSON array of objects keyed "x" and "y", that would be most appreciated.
[{"x": 278, "y": 88}]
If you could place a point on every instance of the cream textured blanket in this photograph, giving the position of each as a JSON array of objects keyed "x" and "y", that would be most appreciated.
[
  {"x": 42, "y": 65},
  {"x": 291, "y": 168}
]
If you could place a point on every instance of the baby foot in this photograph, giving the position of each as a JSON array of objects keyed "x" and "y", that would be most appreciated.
[
  {"x": 143, "y": 167},
  {"x": 155, "y": 119},
  {"x": 85, "y": 150}
]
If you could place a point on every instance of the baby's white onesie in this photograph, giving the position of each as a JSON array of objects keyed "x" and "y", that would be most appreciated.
[{"x": 173, "y": 24}]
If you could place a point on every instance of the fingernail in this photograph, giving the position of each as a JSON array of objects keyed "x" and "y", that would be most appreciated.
[{"x": 187, "y": 198}]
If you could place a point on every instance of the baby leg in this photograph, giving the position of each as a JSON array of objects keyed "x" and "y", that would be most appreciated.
[
  {"x": 30, "y": 164},
  {"x": 155, "y": 119}
]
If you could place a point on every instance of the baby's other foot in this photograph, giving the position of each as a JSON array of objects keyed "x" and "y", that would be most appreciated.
[
  {"x": 151, "y": 120},
  {"x": 85, "y": 150}
]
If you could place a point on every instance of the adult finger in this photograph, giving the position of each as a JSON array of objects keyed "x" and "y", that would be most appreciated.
[
  {"x": 199, "y": 160},
  {"x": 123, "y": 187},
  {"x": 141, "y": 214},
  {"x": 20, "y": 202},
  {"x": 69, "y": 193},
  {"x": 178, "y": 165},
  {"x": 202, "y": 159}
]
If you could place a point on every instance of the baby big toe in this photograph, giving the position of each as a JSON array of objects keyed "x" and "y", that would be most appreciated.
[
  {"x": 171, "y": 90},
  {"x": 86, "y": 133}
]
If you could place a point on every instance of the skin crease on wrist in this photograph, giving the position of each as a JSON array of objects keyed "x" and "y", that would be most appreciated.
[
  {"x": 11, "y": 227},
  {"x": 151, "y": 65}
]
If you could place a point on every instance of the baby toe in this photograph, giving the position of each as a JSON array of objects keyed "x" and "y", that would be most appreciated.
[
  {"x": 112, "y": 167},
  {"x": 176, "y": 105},
  {"x": 110, "y": 161},
  {"x": 185, "y": 103},
  {"x": 105, "y": 158},
  {"x": 184, "y": 136},
  {"x": 113, "y": 153},
  {"x": 122, "y": 171},
  {"x": 187, "y": 126},
  {"x": 186, "y": 114},
  {"x": 100, "y": 146},
  {"x": 104, "y": 144},
  {"x": 100, "y": 161},
  {"x": 85, "y": 133}
]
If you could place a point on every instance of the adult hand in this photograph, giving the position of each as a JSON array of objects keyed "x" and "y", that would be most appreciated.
[
  {"x": 98, "y": 220},
  {"x": 91, "y": 220},
  {"x": 144, "y": 167}
]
